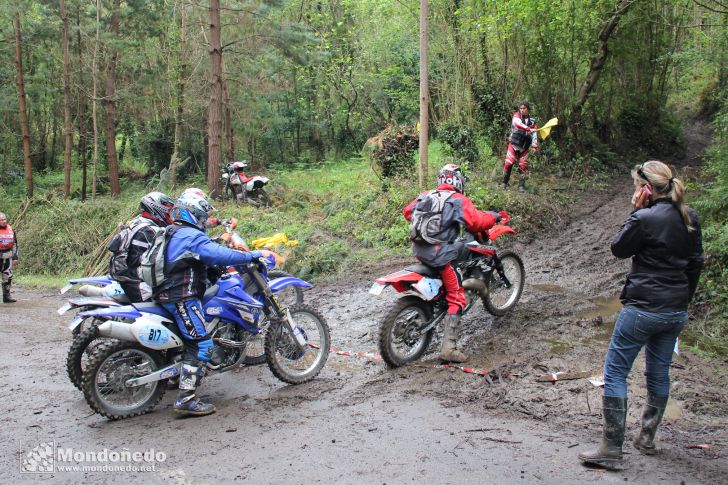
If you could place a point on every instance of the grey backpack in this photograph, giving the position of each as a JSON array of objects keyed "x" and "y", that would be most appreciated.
[
  {"x": 119, "y": 247},
  {"x": 426, "y": 221},
  {"x": 152, "y": 261}
]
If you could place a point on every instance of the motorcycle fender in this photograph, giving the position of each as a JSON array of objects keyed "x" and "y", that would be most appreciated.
[
  {"x": 377, "y": 288},
  {"x": 127, "y": 311},
  {"x": 278, "y": 284},
  {"x": 150, "y": 331},
  {"x": 75, "y": 323},
  {"x": 496, "y": 231},
  {"x": 428, "y": 288}
]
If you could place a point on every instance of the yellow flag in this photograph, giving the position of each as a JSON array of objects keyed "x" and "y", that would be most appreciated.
[{"x": 545, "y": 130}]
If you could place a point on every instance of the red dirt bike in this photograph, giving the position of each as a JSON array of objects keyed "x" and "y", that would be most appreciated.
[
  {"x": 243, "y": 189},
  {"x": 494, "y": 276}
]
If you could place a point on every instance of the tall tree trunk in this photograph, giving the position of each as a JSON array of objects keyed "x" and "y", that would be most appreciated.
[
  {"x": 229, "y": 141},
  {"x": 215, "y": 116},
  {"x": 110, "y": 103},
  {"x": 424, "y": 94},
  {"x": 67, "y": 134},
  {"x": 181, "y": 72},
  {"x": 81, "y": 110},
  {"x": 597, "y": 64},
  {"x": 23, "y": 109},
  {"x": 94, "y": 75}
]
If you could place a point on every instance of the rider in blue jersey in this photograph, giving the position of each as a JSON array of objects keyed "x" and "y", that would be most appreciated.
[{"x": 189, "y": 251}]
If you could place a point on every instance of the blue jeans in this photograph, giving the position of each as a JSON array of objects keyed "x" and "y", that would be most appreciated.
[{"x": 636, "y": 328}]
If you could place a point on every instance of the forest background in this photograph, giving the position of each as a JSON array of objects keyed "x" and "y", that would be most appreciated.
[{"x": 101, "y": 101}]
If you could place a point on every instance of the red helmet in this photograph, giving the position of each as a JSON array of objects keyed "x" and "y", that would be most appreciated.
[{"x": 452, "y": 175}]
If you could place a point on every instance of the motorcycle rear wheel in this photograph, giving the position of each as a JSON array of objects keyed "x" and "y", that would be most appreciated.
[
  {"x": 77, "y": 358},
  {"x": 287, "y": 362},
  {"x": 110, "y": 365},
  {"x": 501, "y": 298},
  {"x": 258, "y": 198},
  {"x": 400, "y": 341}
]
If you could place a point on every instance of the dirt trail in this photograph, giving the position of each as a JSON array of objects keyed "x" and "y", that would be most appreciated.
[{"x": 360, "y": 422}]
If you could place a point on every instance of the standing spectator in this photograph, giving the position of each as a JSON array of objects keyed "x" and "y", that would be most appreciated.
[
  {"x": 8, "y": 256},
  {"x": 662, "y": 236},
  {"x": 524, "y": 135}
]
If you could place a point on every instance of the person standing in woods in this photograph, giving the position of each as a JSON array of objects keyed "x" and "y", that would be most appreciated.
[
  {"x": 8, "y": 256},
  {"x": 524, "y": 136},
  {"x": 662, "y": 236}
]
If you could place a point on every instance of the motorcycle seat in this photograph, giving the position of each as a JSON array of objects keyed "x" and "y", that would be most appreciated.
[
  {"x": 152, "y": 307},
  {"x": 424, "y": 270}
]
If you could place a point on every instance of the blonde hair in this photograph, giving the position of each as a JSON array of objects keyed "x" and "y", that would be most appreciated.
[{"x": 664, "y": 184}]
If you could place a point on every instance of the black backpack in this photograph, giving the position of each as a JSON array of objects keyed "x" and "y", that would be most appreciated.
[
  {"x": 427, "y": 217},
  {"x": 119, "y": 247}
]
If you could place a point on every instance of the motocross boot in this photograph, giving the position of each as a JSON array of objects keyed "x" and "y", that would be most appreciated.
[
  {"x": 506, "y": 177},
  {"x": 522, "y": 182},
  {"x": 6, "y": 293},
  {"x": 651, "y": 417},
  {"x": 609, "y": 453},
  {"x": 187, "y": 402},
  {"x": 450, "y": 352}
]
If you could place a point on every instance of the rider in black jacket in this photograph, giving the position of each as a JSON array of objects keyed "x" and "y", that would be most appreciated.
[{"x": 663, "y": 238}]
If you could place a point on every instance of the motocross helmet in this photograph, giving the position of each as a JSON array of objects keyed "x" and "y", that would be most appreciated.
[
  {"x": 192, "y": 208},
  {"x": 156, "y": 206},
  {"x": 239, "y": 166},
  {"x": 452, "y": 175}
]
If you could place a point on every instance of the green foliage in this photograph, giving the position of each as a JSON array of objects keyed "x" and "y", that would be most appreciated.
[
  {"x": 392, "y": 150},
  {"x": 460, "y": 142}
]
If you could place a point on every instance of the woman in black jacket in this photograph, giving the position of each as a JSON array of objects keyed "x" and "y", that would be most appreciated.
[{"x": 663, "y": 238}]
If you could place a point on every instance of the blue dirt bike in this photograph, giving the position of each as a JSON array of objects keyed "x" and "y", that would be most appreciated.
[{"x": 126, "y": 375}]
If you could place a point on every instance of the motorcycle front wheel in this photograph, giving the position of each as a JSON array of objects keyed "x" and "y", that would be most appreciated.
[
  {"x": 285, "y": 358},
  {"x": 110, "y": 365},
  {"x": 502, "y": 295},
  {"x": 287, "y": 297},
  {"x": 400, "y": 338}
]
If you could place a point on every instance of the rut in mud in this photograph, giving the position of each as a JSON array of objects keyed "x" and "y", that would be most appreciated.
[{"x": 361, "y": 422}]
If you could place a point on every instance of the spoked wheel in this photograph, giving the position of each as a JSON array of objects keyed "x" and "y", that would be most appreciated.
[
  {"x": 104, "y": 383},
  {"x": 255, "y": 346},
  {"x": 287, "y": 297},
  {"x": 502, "y": 295},
  {"x": 263, "y": 198},
  {"x": 81, "y": 348},
  {"x": 286, "y": 359},
  {"x": 400, "y": 338}
]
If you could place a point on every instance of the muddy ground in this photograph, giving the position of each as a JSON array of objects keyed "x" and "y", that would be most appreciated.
[{"x": 359, "y": 422}]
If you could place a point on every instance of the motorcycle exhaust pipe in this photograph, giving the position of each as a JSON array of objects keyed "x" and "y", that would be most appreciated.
[
  {"x": 117, "y": 330},
  {"x": 229, "y": 343},
  {"x": 477, "y": 285},
  {"x": 88, "y": 290}
]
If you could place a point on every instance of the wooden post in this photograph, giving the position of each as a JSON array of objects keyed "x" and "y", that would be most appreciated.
[{"x": 424, "y": 94}]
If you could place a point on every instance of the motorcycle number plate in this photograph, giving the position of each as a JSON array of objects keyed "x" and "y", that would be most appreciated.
[
  {"x": 75, "y": 323},
  {"x": 66, "y": 288},
  {"x": 428, "y": 287},
  {"x": 377, "y": 289},
  {"x": 64, "y": 308}
]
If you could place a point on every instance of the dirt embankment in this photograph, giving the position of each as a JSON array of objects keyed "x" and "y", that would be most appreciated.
[{"x": 361, "y": 422}]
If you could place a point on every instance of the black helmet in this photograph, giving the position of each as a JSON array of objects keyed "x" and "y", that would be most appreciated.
[{"x": 156, "y": 206}]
